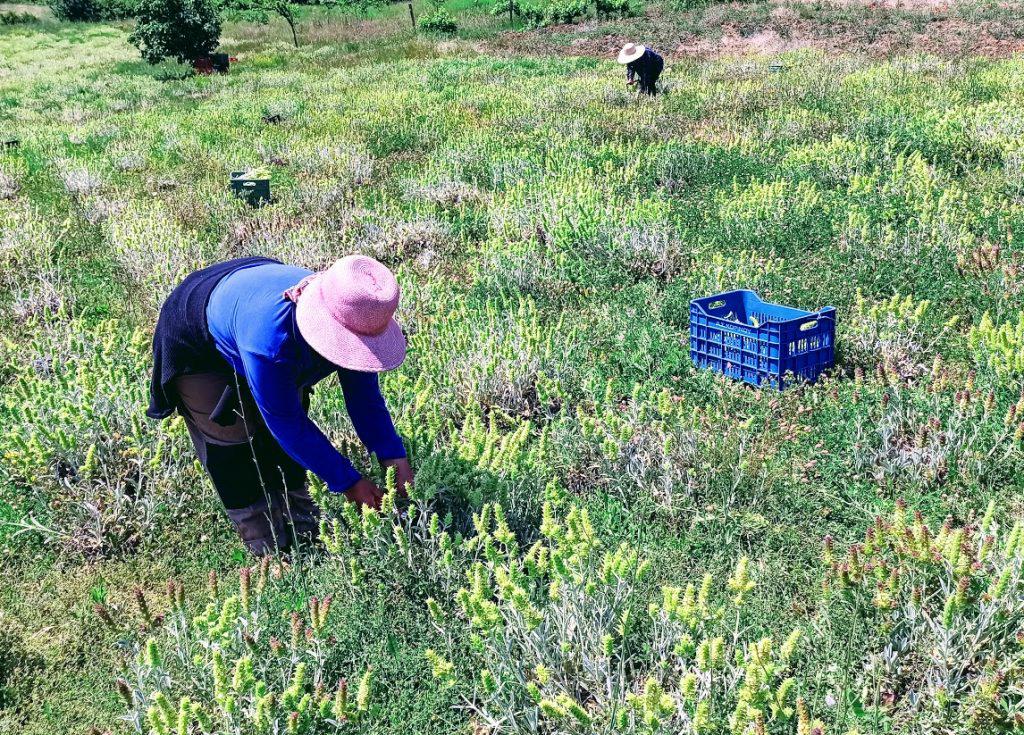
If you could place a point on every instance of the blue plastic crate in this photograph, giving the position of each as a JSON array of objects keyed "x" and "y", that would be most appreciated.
[{"x": 737, "y": 334}]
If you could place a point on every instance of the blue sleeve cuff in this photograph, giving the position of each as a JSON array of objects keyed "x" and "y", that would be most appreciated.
[
  {"x": 393, "y": 448},
  {"x": 345, "y": 480}
]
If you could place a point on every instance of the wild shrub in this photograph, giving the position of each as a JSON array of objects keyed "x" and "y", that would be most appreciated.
[
  {"x": 232, "y": 665},
  {"x": 653, "y": 444},
  {"x": 999, "y": 348},
  {"x": 957, "y": 434},
  {"x": 76, "y": 10},
  {"x": 778, "y": 215},
  {"x": 93, "y": 476},
  {"x": 417, "y": 242},
  {"x": 897, "y": 335},
  {"x": 80, "y": 181},
  {"x": 496, "y": 355},
  {"x": 945, "y": 605},
  {"x": 831, "y": 164},
  {"x": 438, "y": 21},
  {"x": 91, "y": 10},
  {"x": 8, "y": 186},
  {"x": 350, "y": 163},
  {"x": 182, "y": 30},
  {"x": 537, "y": 13},
  {"x": 583, "y": 220},
  {"x": 156, "y": 251},
  {"x": 27, "y": 238},
  {"x": 614, "y": 8},
  {"x": 567, "y": 635},
  {"x": 14, "y": 18}
]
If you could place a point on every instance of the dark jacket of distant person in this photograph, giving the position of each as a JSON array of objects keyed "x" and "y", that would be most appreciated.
[{"x": 646, "y": 69}]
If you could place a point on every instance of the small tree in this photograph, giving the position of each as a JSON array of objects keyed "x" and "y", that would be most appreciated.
[
  {"x": 184, "y": 30},
  {"x": 260, "y": 11}
]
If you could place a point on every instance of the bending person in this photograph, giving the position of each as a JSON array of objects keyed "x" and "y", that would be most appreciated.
[
  {"x": 237, "y": 350},
  {"x": 642, "y": 64}
]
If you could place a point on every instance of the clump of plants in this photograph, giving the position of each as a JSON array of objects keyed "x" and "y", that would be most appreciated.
[
  {"x": 897, "y": 335},
  {"x": 946, "y": 607},
  {"x": 90, "y": 10},
  {"x": 567, "y": 635},
  {"x": 536, "y": 13},
  {"x": 1000, "y": 348},
  {"x": 14, "y": 18},
  {"x": 231, "y": 664},
  {"x": 438, "y": 20},
  {"x": 96, "y": 479},
  {"x": 615, "y": 8}
]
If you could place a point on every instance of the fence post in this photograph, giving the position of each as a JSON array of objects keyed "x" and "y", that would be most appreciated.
[{"x": 412, "y": 16}]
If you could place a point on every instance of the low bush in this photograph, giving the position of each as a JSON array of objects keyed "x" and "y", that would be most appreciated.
[
  {"x": 568, "y": 636},
  {"x": 615, "y": 8},
  {"x": 438, "y": 21},
  {"x": 536, "y": 13},
  {"x": 946, "y": 607},
  {"x": 76, "y": 10},
  {"x": 13, "y": 18},
  {"x": 99, "y": 481},
  {"x": 234, "y": 665},
  {"x": 93, "y": 10}
]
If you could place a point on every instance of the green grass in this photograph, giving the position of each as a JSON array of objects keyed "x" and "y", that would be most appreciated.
[{"x": 548, "y": 230}]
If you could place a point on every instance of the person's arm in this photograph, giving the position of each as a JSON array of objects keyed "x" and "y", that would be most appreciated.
[
  {"x": 369, "y": 413},
  {"x": 630, "y": 74},
  {"x": 373, "y": 423},
  {"x": 275, "y": 390}
]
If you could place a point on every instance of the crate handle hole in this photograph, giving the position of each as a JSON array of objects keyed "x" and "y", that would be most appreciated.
[
  {"x": 808, "y": 326},
  {"x": 717, "y": 304},
  {"x": 249, "y": 184}
]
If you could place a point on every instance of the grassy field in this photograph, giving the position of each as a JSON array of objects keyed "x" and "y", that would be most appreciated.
[{"x": 575, "y": 472}]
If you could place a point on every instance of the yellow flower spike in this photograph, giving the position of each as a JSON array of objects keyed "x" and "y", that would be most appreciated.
[
  {"x": 156, "y": 721},
  {"x": 552, "y": 709},
  {"x": 790, "y": 645},
  {"x": 363, "y": 693},
  {"x": 184, "y": 719},
  {"x": 740, "y": 582}
]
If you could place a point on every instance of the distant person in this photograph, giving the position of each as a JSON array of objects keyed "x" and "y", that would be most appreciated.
[
  {"x": 237, "y": 350},
  {"x": 643, "y": 66}
]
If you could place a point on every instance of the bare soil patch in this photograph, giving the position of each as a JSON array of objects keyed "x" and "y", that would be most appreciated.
[{"x": 877, "y": 29}]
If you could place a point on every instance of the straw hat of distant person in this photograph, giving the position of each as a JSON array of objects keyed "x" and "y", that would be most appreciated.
[{"x": 631, "y": 52}]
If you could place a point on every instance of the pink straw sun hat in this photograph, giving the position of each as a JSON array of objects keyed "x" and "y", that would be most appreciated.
[{"x": 347, "y": 314}]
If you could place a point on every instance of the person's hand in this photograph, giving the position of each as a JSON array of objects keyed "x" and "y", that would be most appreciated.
[
  {"x": 403, "y": 474},
  {"x": 365, "y": 492},
  {"x": 631, "y": 83}
]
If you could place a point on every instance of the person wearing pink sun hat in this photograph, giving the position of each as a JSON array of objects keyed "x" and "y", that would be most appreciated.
[{"x": 237, "y": 350}]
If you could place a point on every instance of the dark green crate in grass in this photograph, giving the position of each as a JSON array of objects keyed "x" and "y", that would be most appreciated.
[{"x": 252, "y": 185}]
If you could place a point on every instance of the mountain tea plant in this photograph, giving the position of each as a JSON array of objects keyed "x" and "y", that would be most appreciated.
[
  {"x": 945, "y": 608},
  {"x": 567, "y": 635},
  {"x": 228, "y": 667}
]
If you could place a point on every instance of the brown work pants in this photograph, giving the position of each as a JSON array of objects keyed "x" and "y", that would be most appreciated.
[{"x": 263, "y": 489}]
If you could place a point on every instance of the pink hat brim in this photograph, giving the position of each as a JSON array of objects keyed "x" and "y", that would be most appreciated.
[{"x": 368, "y": 353}]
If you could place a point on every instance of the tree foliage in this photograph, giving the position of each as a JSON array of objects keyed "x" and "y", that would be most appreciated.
[{"x": 184, "y": 30}]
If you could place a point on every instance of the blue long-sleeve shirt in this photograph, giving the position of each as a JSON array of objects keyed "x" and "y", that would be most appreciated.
[{"x": 253, "y": 327}]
